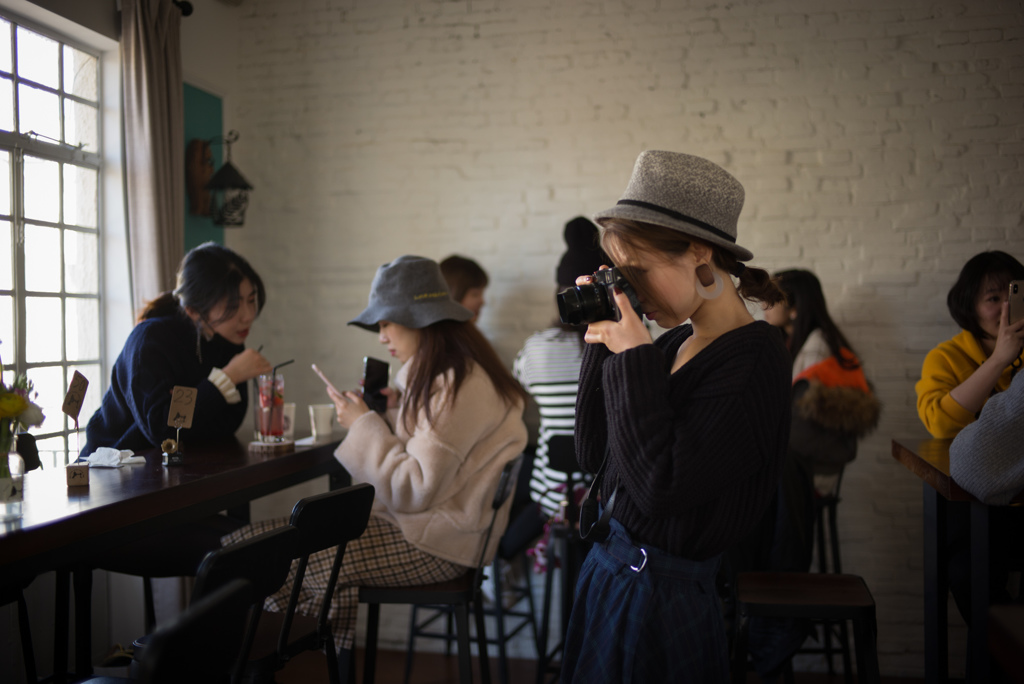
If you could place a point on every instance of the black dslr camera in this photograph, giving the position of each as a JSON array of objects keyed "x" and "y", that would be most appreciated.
[{"x": 585, "y": 304}]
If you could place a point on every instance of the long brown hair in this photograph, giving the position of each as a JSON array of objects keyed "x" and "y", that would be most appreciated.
[
  {"x": 755, "y": 284},
  {"x": 451, "y": 346}
]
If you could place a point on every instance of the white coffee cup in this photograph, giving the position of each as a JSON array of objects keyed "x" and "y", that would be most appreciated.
[
  {"x": 321, "y": 419},
  {"x": 289, "y": 421}
]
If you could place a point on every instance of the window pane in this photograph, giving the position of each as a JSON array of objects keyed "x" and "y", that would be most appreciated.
[
  {"x": 80, "y": 125},
  {"x": 42, "y": 189},
  {"x": 81, "y": 263},
  {"x": 7, "y": 341},
  {"x": 38, "y": 111},
  {"x": 80, "y": 196},
  {"x": 42, "y": 251},
  {"x": 5, "y": 46},
  {"x": 5, "y": 183},
  {"x": 93, "y": 394},
  {"x": 6, "y": 259},
  {"x": 6, "y": 104},
  {"x": 37, "y": 58},
  {"x": 51, "y": 450},
  {"x": 80, "y": 74},
  {"x": 49, "y": 390},
  {"x": 83, "y": 329},
  {"x": 43, "y": 334}
]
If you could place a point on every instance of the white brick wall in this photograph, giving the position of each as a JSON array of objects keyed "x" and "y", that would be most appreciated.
[{"x": 880, "y": 146}]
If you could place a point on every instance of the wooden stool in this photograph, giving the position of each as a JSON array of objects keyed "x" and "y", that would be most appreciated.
[{"x": 811, "y": 596}]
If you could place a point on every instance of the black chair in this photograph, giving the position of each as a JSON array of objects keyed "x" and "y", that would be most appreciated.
[
  {"x": 200, "y": 646},
  {"x": 565, "y": 551},
  {"x": 811, "y": 596},
  {"x": 176, "y": 552},
  {"x": 827, "y": 543},
  {"x": 263, "y": 560},
  {"x": 509, "y": 619},
  {"x": 462, "y": 594},
  {"x": 323, "y": 521}
]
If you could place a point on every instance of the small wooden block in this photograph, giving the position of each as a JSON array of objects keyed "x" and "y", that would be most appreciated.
[
  {"x": 272, "y": 448},
  {"x": 78, "y": 474}
]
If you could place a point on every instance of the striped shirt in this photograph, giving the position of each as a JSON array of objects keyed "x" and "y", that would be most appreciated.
[{"x": 548, "y": 366}]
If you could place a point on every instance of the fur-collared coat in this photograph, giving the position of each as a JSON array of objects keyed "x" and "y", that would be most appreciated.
[{"x": 833, "y": 407}]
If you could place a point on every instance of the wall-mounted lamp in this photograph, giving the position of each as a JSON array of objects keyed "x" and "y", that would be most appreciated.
[{"x": 232, "y": 188}]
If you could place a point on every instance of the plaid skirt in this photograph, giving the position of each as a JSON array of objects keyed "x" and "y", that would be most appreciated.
[
  {"x": 642, "y": 615},
  {"x": 380, "y": 557}
]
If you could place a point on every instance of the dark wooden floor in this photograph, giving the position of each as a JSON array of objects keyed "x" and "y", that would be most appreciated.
[{"x": 435, "y": 668}]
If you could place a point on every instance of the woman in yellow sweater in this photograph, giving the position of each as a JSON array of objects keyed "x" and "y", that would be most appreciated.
[
  {"x": 957, "y": 379},
  {"x": 960, "y": 374}
]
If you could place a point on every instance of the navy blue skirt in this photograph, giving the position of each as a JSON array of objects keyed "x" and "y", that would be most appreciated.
[{"x": 642, "y": 615}]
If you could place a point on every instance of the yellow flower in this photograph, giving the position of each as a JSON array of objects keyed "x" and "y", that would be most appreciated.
[{"x": 11, "y": 405}]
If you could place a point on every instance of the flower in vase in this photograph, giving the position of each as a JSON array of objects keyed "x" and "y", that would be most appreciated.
[{"x": 17, "y": 411}]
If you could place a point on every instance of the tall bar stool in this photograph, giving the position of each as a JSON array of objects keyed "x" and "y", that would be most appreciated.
[
  {"x": 833, "y": 636},
  {"x": 811, "y": 596}
]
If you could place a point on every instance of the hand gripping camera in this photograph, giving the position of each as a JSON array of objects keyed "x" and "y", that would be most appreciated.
[{"x": 585, "y": 304}]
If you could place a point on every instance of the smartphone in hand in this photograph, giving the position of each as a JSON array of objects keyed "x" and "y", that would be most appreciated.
[
  {"x": 1016, "y": 300},
  {"x": 375, "y": 379},
  {"x": 324, "y": 378}
]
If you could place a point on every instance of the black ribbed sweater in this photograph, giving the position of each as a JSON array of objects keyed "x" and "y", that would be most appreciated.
[{"x": 697, "y": 453}]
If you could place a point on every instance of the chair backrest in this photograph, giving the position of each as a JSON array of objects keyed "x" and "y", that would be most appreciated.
[
  {"x": 203, "y": 643},
  {"x": 562, "y": 454},
  {"x": 506, "y": 483},
  {"x": 263, "y": 560},
  {"x": 325, "y": 520},
  {"x": 562, "y": 457},
  {"x": 332, "y": 518}
]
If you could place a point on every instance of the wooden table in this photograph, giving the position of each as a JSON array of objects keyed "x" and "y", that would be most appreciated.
[
  {"x": 929, "y": 460},
  {"x": 61, "y": 524}
]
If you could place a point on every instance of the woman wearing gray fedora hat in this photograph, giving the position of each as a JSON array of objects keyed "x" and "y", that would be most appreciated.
[
  {"x": 453, "y": 421},
  {"x": 687, "y": 433}
]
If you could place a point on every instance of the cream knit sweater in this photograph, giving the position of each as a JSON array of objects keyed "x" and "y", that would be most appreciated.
[{"x": 437, "y": 482}]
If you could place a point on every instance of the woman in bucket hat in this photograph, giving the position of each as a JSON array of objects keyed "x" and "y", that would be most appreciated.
[
  {"x": 689, "y": 432},
  {"x": 454, "y": 420}
]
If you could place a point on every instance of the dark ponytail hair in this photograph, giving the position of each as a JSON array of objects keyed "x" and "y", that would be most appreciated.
[
  {"x": 209, "y": 274},
  {"x": 755, "y": 284},
  {"x": 804, "y": 294}
]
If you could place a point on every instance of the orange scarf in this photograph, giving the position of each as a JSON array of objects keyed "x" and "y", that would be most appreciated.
[{"x": 831, "y": 374}]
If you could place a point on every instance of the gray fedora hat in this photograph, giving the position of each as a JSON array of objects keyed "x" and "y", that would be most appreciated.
[
  {"x": 685, "y": 193},
  {"x": 412, "y": 292}
]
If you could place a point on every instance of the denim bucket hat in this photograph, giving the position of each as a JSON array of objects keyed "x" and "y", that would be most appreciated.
[
  {"x": 684, "y": 193},
  {"x": 412, "y": 292}
]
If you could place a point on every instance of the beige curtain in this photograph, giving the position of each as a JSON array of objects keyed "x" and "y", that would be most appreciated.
[{"x": 154, "y": 144}]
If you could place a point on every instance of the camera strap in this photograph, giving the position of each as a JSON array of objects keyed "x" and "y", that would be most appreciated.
[{"x": 591, "y": 527}]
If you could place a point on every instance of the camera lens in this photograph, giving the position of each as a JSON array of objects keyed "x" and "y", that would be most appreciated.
[{"x": 583, "y": 304}]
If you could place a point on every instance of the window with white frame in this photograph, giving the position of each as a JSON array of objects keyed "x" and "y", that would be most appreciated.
[{"x": 50, "y": 166}]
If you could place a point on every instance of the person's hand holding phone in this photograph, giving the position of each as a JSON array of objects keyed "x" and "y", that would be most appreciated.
[
  {"x": 1010, "y": 339},
  {"x": 348, "y": 406}
]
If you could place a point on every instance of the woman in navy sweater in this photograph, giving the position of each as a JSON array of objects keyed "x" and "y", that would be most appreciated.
[
  {"x": 193, "y": 337},
  {"x": 691, "y": 429}
]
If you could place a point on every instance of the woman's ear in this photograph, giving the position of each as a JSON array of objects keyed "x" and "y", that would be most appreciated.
[
  {"x": 701, "y": 253},
  {"x": 192, "y": 313}
]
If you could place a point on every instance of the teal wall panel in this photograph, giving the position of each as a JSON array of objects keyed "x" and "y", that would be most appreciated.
[{"x": 204, "y": 119}]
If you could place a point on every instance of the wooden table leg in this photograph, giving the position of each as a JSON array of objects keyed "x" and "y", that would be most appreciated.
[
  {"x": 980, "y": 662},
  {"x": 936, "y": 588},
  {"x": 62, "y": 608}
]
